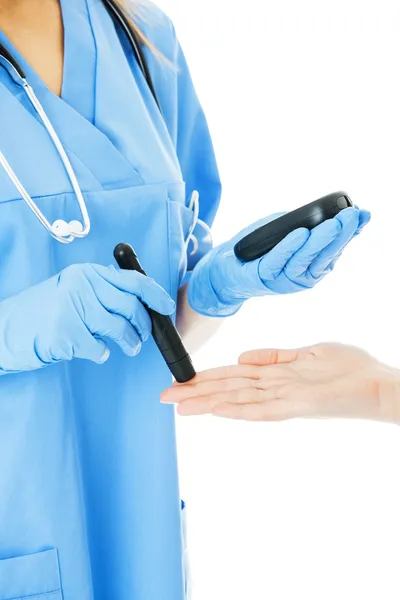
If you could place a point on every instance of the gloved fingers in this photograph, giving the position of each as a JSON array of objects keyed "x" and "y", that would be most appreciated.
[
  {"x": 105, "y": 356},
  {"x": 145, "y": 288},
  {"x": 331, "y": 266},
  {"x": 363, "y": 220},
  {"x": 119, "y": 330},
  {"x": 126, "y": 305},
  {"x": 273, "y": 263},
  {"x": 320, "y": 237},
  {"x": 92, "y": 348},
  {"x": 349, "y": 221}
]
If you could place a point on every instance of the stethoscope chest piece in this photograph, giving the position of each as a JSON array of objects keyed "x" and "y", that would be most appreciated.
[{"x": 68, "y": 231}]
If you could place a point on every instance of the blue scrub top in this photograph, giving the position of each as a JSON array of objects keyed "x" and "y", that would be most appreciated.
[{"x": 89, "y": 505}]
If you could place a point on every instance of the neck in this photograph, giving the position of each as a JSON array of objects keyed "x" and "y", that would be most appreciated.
[
  {"x": 12, "y": 4},
  {"x": 25, "y": 12},
  {"x": 19, "y": 6},
  {"x": 35, "y": 28}
]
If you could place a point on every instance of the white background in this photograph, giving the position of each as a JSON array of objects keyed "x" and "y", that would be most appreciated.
[{"x": 302, "y": 99}]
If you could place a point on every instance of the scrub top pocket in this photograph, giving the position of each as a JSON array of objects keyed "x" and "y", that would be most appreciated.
[{"x": 34, "y": 576}]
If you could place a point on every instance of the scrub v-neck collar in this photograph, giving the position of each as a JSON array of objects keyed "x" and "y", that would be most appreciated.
[{"x": 78, "y": 89}]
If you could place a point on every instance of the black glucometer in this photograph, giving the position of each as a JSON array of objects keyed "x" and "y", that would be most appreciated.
[{"x": 262, "y": 240}]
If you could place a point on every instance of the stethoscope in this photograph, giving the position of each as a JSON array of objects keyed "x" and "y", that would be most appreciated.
[{"x": 63, "y": 231}]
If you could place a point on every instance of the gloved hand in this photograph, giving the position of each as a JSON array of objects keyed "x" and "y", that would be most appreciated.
[
  {"x": 72, "y": 315},
  {"x": 220, "y": 283}
]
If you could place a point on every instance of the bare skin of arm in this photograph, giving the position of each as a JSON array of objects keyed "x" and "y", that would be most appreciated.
[{"x": 195, "y": 329}]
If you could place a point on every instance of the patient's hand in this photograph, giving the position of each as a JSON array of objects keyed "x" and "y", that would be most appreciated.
[{"x": 326, "y": 380}]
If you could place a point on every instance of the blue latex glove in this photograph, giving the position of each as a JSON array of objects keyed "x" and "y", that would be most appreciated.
[
  {"x": 73, "y": 314},
  {"x": 220, "y": 283}
]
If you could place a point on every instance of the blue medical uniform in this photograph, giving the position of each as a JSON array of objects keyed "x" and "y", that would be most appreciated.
[{"x": 89, "y": 496}]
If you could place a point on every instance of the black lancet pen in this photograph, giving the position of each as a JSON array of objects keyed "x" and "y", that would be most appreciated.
[{"x": 164, "y": 332}]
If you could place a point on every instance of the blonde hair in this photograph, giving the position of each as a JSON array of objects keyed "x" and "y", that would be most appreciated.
[{"x": 130, "y": 9}]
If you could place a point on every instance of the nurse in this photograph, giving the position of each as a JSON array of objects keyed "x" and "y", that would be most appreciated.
[{"x": 89, "y": 496}]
